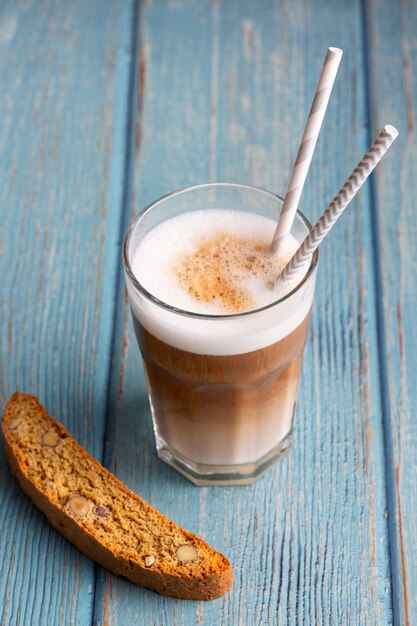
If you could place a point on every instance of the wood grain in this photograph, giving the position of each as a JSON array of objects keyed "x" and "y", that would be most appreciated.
[
  {"x": 226, "y": 88},
  {"x": 64, "y": 71},
  {"x": 220, "y": 90},
  {"x": 392, "y": 41}
]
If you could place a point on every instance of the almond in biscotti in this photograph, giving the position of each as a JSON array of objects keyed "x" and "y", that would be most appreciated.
[
  {"x": 186, "y": 553},
  {"x": 79, "y": 506},
  {"x": 50, "y": 439},
  {"x": 14, "y": 423},
  {"x": 101, "y": 511}
]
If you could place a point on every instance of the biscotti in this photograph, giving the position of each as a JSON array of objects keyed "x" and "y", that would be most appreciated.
[{"x": 100, "y": 515}]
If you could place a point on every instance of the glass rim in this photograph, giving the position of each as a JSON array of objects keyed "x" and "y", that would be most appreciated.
[{"x": 206, "y": 316}]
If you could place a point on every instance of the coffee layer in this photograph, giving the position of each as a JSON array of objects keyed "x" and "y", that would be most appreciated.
[{"x": 223, "y": 410}]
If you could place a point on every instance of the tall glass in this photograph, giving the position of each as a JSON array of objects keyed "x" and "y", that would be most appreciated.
[{"x": 222, "y": 388}]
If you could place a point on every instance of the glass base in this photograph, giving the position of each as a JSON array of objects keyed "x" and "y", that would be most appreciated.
[{"x": 222, "y": 474}]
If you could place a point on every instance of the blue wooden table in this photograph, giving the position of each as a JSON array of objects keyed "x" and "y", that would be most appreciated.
[{"x": 106, "y": 105}]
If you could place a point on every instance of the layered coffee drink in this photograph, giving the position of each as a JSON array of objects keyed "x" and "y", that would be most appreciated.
[{"x": 221, "y": 340}]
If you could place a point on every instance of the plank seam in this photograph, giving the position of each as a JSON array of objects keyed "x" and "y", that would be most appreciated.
[
  {"x": 127, "y": 182},
  {"x": 397, "y": 606}
]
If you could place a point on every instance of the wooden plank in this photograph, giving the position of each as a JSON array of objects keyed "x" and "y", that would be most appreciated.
[
  {"x": 64, "y": 71},
  {"x": 392, "y": 40},
  {"x": 226, "y": 87}
]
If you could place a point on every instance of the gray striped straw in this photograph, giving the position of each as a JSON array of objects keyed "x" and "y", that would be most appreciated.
[
  {"x": 339, "y": 203},
  {"x": 308, "y": 143}
]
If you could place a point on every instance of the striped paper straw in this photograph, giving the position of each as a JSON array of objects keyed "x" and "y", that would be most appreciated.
[
  {"x": 308, "y": 143},
  {"x": 339, "y": 203}
]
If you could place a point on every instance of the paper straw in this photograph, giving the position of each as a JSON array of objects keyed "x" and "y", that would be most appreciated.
[
  {"x": 339, "y": 203},
  {"x": 308, "y": 143}
]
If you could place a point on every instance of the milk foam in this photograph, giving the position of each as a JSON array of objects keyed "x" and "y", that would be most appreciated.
[
  {"x": 165, "y": 264},
  {"x": 162, "y": 259}
]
